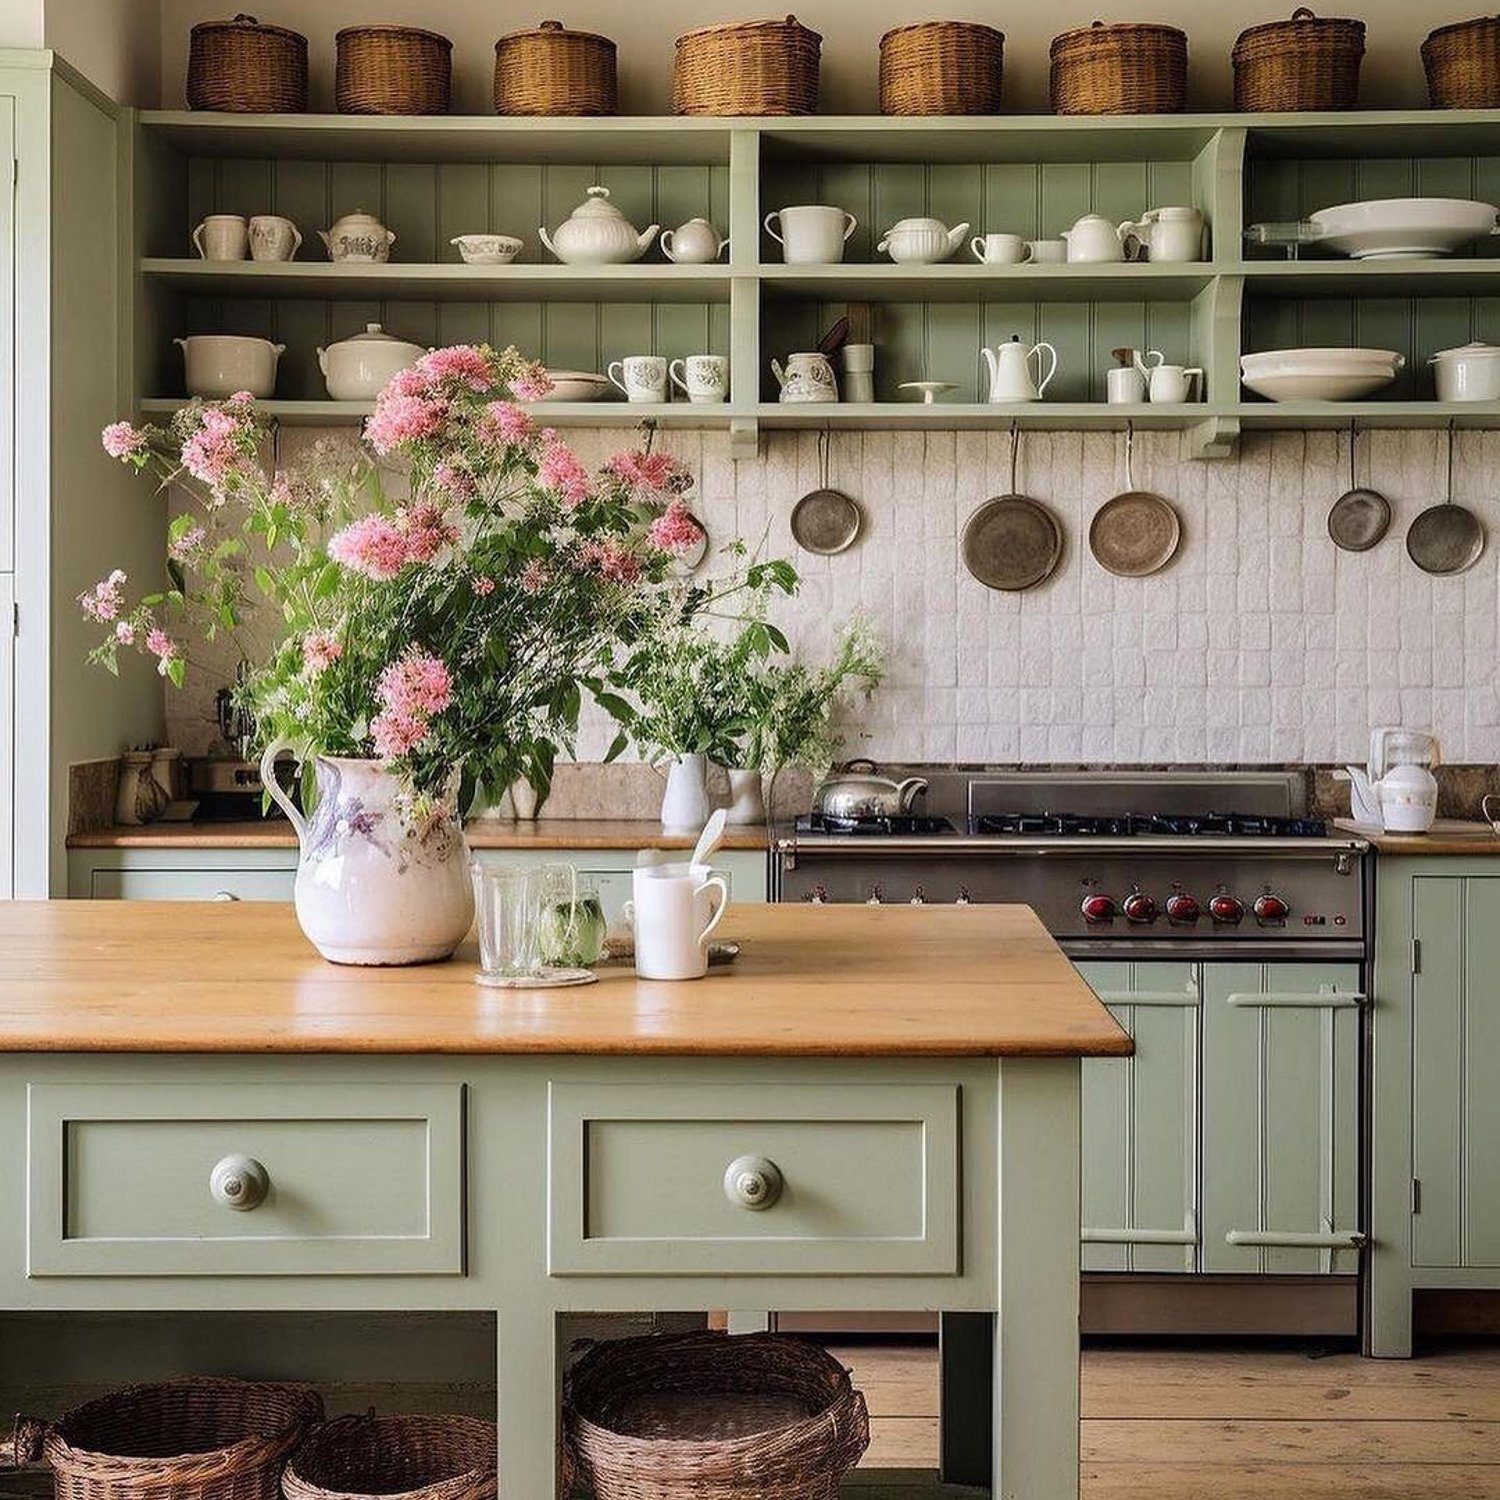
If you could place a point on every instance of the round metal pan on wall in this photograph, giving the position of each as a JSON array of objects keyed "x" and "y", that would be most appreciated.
[
  {"x": 1361, "y": 516},
  {"x": 1137, "y": 532},
  {"x": 826, "y": 521},
  {"x": 1012, "y": 542},
  {"x": 1447, "y": 538}
]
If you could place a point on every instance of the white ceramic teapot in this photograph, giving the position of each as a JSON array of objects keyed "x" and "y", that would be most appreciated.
[
  {"x": 1010, "y": 370},
  {"x": 695, "y": 243},
  {"x": 1398, "y": 785},
  {"x": 596, "y": 233},
  {"x": 921, "y": 241},
  {"x": 358, "y": 237},
  {"x": 1094, "y": 240}
]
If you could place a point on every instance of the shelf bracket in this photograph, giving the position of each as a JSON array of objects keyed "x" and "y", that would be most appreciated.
[
  {"x": 744, "y": 437},
  {"x": 1217, "y": 437}
]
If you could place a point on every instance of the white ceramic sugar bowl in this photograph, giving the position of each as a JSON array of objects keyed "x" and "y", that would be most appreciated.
[
  {"x": 695, "y": 243},
  {"x": 358, "y": 237}
]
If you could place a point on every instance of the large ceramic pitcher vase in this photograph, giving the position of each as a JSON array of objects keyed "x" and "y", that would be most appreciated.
[{"x": 375, "y": 885}]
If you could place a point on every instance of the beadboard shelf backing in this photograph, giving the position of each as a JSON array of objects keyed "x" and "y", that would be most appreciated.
[{"x": 430, "y": 179}]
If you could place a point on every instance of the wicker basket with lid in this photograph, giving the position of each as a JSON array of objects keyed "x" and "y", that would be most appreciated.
[
  {"x": 1463, "y": 64},
  {"x": 242, "y": 67},
  {"x": 747, "y": 68},
  {"x": 1119, "y": 70},
  {"x": 941, "y": 68},
  {"x": 553, "y": 71},
  {"x": 1308, "y": 63},
  {"x": 393, "y": 70}
]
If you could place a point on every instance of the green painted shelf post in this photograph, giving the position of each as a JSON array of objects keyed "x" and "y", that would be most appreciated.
[{"x": 744, "y": 291}]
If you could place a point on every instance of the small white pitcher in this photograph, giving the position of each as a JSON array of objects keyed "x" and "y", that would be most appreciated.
[{"x": 673, "y": 911}]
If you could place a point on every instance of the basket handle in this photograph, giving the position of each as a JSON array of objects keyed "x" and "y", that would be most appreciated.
[
  {"x": 1302, "y": 13},
  {"x": 27, "y": 1438}
]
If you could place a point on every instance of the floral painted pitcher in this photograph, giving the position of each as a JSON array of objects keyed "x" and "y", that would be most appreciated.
[{"x": 377, "y": 881}]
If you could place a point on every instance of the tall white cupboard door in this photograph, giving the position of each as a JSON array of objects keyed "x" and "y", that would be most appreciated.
[
  {"x": 7, "y": 337},
  {"x": 7, "y": 735}
]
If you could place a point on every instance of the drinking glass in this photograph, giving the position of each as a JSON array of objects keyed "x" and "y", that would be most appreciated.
[
  {"x": 570, "y": 918},
  {"x": 506, "y": 914}
]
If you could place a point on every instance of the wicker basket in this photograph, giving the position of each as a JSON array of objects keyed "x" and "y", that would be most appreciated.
[
  {"x": 1463, "y": 64},
  {"x": 703, "y": 1416},
  {"x": 187, "y": 1440},
  {"x": 393, "y": 70},
  {"x": 941, "y": 68},
  {"x": 243, "y": 67},
  {"x": 747, "y": 68},
  {"x": 1119, "y": 70},
  {"x": 418, "y": 1458},
  {"x": 553, "y": 71},
  {"x": 1307, "y": 63}
]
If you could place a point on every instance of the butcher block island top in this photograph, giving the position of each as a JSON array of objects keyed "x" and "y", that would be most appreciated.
[{"x": 810, "y": 981}]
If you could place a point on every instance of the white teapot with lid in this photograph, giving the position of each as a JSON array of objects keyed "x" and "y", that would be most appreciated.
[
  {"x": 358, "y": 237},
  {"x": 695, "y": 243},
  {"x": 596, "y": 233}
]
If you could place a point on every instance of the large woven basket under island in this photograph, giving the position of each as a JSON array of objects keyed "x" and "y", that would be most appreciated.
[
  {"x": 706, "y": 1416},
  {"x": 417, "y": 1457}
]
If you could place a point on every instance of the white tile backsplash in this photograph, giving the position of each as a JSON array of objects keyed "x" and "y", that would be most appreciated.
[{"x": 1261, "y": 642}]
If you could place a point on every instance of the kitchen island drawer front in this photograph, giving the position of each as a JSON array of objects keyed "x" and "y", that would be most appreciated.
[
  {"x": 797, "y": 1179},
  {"x": 245, "y": 1180},
  {"x": 193, "y": 884}
]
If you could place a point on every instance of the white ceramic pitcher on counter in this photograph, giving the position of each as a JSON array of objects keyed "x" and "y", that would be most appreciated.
[
  {"x": 673, "y": 910},
  {"x": 374, "y": 885},
  {"x": 1009, "y": 365}
]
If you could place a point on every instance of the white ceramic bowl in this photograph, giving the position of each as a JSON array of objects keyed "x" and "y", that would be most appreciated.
[
  {"x": 1403, "y": 228},
  {"x": 1319, "y": 374},
  {"x": 216, "y": 365},
  {"x": 576, "y": 385},
  {"x": 487, "y": 249}
]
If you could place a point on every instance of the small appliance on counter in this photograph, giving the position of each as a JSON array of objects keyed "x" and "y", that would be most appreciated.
[
  {"x": 228, "y": 787},
  {"x": 1396, "y": 791}
]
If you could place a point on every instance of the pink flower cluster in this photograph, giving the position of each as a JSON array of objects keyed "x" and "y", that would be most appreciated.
[
  {"x": 562, "y": 470},
  {"x": 534, "y": 576},
  {"x": 427, "y": 531},
  {"x": 531, "y": 383},
  {"x": 411, "y": 690},
  {"x": 401, "y": 417},
  {"x": 464, "y": 363},
  {"x": 676, "y": 529},
  {"x": 161, "y": 646},
  {"x": 612, "y": 560},
  {"x": 652, "y": 472},
  {"x": 372, "y": 545},
  {"x": 320, "y": 649},
  {"x": 104, "y": 601},
  {"x": 483, "y": 586},
  {"x": 121, "y": 440},
  {"x": 221, "y": 449},
  {"x": 503, "y": 422},
  {"x": 186, "y": 546},
  {"x": 456, "y": 480}
]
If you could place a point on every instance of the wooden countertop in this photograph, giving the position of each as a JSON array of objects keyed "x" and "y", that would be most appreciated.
[
  {"x": 820, "y": 981},
  {"x": 1447, "y": 836},
  {"x": 483, "y": 833}
]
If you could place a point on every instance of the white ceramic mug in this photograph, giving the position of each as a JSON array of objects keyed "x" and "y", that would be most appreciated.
[
  {"x": 1171, "y": 383},
  {"x": 1492, "y": 817},
  {"x": 1000, "y": 249},
  {"x": 643, "y": 377},
  {"x": 702, "y": 378},
  {"x": 673, "y": 910},
  {"x": 273, "y": 238},
  {"x": 811, "y": 234},
  {"x": 222, "y": 237},
  {"x": 1124, "y": 386},
  {"x": 1048, "y": 252}
]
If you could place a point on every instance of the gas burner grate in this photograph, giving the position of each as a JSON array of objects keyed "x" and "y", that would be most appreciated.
[
  {"x": 1173, "y": 825},
  {"x": 906, "y": 824}
]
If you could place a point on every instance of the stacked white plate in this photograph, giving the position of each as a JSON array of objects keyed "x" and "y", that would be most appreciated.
[
  {"x": 1319, "y": 374},
  {"x": 1403, "y": 228}
]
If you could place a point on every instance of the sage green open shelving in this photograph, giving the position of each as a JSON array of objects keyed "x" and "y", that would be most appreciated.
[{"x": 432, "y": 178}]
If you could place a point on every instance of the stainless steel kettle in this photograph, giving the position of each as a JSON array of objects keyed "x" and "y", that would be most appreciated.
[{"x": 859, "y": 791}]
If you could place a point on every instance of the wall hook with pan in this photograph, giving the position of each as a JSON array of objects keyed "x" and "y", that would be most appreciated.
[
  {"x": 1136, "y": 532},
  {"x": 1012, "y": 542},
  {"x": 1360, "y": 517},
  {"x": 826, "y": 521},
  {"x": 1447, "y": 538}
]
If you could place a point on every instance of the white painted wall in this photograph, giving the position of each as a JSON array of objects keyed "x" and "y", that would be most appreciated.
[
  {"x": 851, "y": 31},
  {"x": 22, "y": 23},
  {"x": 115, "y": 44}
]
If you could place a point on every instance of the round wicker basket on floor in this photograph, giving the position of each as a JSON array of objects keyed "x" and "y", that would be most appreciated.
[
  {"x": 186, "y": 1440},
  {"x": 418, "y": 1458},
  {"x": 702, "y": 1416},
  {"x": 1463, "y": 64},
  {"x": 243, "y": 67},
  {"x": 1119, "y": 70},
  {"x": 554, "y": 71},
  {"x": 1307, "y": 63},
  {"x": 747, "y": 68},
  {"x": 392, "y": 70},
  {"x": 941, "y": 68}
]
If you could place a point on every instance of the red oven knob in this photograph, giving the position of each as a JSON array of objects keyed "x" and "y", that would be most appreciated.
[
  {"x": 1270, "y": 908},
  {"x": 1098, "y": 908},
  {"x": 1182, "y": 907},
  {"x": 1225, "y": 908},
  {"x": 1139, "y": 907}
]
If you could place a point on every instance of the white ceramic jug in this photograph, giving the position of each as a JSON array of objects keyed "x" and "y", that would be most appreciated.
[
  {"x": 1010, "y": 370},
  {"x": 673, "y": 910}
]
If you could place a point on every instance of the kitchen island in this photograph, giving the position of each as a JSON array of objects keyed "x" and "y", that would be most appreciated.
[{"x": 200, "y": 1114}]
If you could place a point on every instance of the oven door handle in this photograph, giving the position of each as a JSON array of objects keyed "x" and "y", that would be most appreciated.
[
  {"x": 1325, "y": 999},
  {"x": 1185, "y": 998},
  {"x": 1187, "y": 1235},
  {"x": 1291, "y": 1239}
]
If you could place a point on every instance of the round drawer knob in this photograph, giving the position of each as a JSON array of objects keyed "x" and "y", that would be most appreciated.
[
  {"x": 239, "y": 1182},
  {"x": 752, "y": 1182}
]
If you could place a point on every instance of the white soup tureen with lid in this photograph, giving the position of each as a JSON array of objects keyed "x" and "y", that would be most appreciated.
[
  {"x": 358, "y": 368},
  {"x": 596, "y": 233}
]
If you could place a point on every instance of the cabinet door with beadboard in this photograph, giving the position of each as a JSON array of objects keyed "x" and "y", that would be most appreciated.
[{"x": 1140, "y": 1123}]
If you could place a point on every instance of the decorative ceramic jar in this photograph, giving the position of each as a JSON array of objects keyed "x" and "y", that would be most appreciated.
[
  {"x": 359, "y": 238},
  {"x": 358, "y": 368},
  {"x": 375, "y": 885},
  {"x": 596, "y": 233}
]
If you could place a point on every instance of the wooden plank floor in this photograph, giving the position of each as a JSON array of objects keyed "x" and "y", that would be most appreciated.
[{"x": 1217, "y": 1423}]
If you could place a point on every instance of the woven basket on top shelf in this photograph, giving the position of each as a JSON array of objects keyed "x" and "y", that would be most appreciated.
[
  {"x": 1307, "y": 63},
  {"x": 1119, "y": 70},
  {"x": 703, "y": 1416},
  {"x": 186, "y": 1440},
  {"x": 418, "y": 1458},
  {"x": 245, "y": 68},
  {"x": 393, "y": 70},
  {"x": 554, "y": 71},
  {"x": 747, "y": 68},
  {"x": 941, "y": 68},
  {"x": 1463, "y": 64}
]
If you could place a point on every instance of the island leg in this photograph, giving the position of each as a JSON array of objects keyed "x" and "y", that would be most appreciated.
[
  {"x": 1036, "y": 1327},
  {"x": 527, "y": 1397}
]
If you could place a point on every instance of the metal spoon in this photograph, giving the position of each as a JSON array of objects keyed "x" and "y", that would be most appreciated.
[{"x": 1360, "y": 517}]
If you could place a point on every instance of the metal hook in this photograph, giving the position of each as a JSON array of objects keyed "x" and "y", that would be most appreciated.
[
  {"x": 1353, "y": 436},
  {"x": 647, "y": 426},
  {"x": 825, "y": 443},
  {"x": 1015, "y": 444},
  {"x": 1130, "y": 455},
  {"x": 1450, "y": 460}
]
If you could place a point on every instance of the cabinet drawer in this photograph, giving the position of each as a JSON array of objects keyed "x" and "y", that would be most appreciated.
[
  {"x": 863, "y": 1180},
  {"x": 193, "y": 885},
  {"x": 245, "y": 1180}
]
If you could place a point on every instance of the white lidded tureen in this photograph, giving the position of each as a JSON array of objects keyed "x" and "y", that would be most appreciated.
[
  {"x": 921, "y": 241},
  {"x": 357, "y": 369},
  {"x": 358, "y": 237},
  {"x": 596, "y": 233}
]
